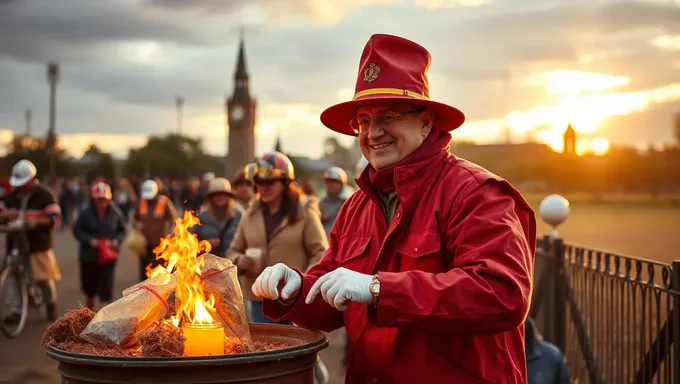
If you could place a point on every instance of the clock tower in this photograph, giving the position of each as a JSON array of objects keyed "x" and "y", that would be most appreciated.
[{"x": 240, "y": 108}]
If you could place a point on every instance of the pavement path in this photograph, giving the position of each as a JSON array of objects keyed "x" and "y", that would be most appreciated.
[{"x": 22, "y": 361}]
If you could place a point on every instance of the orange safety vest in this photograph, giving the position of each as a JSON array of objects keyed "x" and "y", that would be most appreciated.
[{"x": 159, "y": 209}]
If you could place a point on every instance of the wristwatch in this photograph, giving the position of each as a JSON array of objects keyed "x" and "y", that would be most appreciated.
[{"x": 374, "y": 287}]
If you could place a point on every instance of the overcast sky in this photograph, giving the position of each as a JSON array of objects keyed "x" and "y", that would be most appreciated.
[{"x": 611, "y": 67}]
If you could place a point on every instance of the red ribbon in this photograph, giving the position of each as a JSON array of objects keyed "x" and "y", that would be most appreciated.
[
  {"x": 214, "y": 272},
  {"x": 165, "y": 303}
]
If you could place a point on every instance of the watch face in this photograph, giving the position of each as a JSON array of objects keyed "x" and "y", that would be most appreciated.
[{"x": 237, "y": 113}]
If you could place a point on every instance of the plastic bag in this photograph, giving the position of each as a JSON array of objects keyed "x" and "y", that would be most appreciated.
[
  {"x": 107, "y": 254},
  {"x": 136, "y": 243},
  {"x": 220, "y": 279},
  {"x": 141, "y": 305}
]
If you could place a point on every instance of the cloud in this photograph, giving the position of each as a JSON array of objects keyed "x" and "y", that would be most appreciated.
[
  {"x": 124, "y": 61},
  {"x": 81, "y": 30}
]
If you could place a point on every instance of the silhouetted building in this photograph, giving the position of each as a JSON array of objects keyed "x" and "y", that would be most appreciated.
[
  {"x": 240, "y": 118},
  {"x": 277, "y": 146},
  {"x": 569, "y": 141}
]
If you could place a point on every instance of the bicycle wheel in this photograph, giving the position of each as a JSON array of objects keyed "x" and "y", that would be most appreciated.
[{"x": 12, "y": 276}]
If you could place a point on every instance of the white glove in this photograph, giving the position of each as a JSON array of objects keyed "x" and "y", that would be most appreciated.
[
  {"x": 267, "y": 284},
  {"x": 341, "y": 285}
]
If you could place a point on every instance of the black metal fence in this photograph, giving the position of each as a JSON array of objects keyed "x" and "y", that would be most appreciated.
[{"x": 616, "y": 318}]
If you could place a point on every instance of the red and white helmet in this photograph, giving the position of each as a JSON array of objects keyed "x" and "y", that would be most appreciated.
[{"x": 101, "y": 191}]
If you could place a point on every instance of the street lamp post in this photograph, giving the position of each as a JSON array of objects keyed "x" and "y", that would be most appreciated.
[
  {"x": 179, "y": 102},
  {"x": 52, "y": 80},
  {"x": 27, "y": 115}
]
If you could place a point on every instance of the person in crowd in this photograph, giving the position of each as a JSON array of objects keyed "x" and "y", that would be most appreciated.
[
  {"x": 220, "y": 219},
  {"x": 281, "y": 226},
  {"x": 99, "y": 224},
  {"x": 67, "y": 201},
  {"x": 205, "y": 181},
  {"x": 37, "y": 207},
  {"x": 82, "y": 193},
  {"x": 307, "y": 188},
  {"x": 192, "y": 196},
  {"x": 154, "y": 216},
  {"x": 359, "y": 168},
  {"x": 337, "y": 192},
  {"x": 125, "y": 197},
  {"x": 545, "y": 362},
  {"x": 176, "y": 190},
  {"x": 336, "y": 195},
  {"x": 162, "y": 187},
  {"x": 5, "y": 187},
  {"x": 244, "y": 191},
  {"x": 430, "y": 264}
]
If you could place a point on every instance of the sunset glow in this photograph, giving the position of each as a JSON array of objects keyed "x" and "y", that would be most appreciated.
[{"x": 599, "y": 146}]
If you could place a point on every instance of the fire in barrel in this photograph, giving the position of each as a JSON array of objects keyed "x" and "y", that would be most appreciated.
[{"x": 190, "y": 307}]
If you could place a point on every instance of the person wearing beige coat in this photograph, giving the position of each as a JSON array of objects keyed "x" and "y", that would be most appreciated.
[
  {"x": 282, "y": 225},
  {"x": 299, "y": 244}
]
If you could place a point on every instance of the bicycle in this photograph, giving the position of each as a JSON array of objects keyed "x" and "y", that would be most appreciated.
[{"x": 16, "y": 270}]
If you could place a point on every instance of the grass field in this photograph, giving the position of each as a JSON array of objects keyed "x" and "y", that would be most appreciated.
[
  {"x": 624, "y": 325},
  {"x": 635, "y": 227}
]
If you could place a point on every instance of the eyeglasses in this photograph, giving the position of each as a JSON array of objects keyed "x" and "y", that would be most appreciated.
[
  {"x": 363, "y": 122},
  {"x": 264, "y": 171}
]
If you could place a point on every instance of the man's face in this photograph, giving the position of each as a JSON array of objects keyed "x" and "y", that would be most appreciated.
[
  {"x": 333, "y": 187},
  {"x": 27, "y": 187},
  {"x": 394, "y": 131},
  {"x": 244, "y": 191},
  {"x": 101, "y": 203}
]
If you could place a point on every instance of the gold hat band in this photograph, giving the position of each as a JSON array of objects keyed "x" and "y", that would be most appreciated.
[{"x": 389, "y": 91}]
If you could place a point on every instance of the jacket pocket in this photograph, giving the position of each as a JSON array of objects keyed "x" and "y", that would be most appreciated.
[
  {"x": 422, "y": 252},
  {"x": 352, "y": 252}
]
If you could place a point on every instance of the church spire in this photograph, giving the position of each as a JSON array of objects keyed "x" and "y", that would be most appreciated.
[
  {"x": 277, "y": 146},
  {"x": 241, "y": 91},
  {"x": 569, "y": 139}
]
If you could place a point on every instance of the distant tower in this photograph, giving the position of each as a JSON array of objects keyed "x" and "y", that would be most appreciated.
[
  {"x": 277, "y": 146},
  {"x": 240, "y": 117},
  {"x": 569, "y": 141}
]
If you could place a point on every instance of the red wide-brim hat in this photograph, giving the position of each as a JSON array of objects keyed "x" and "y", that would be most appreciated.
[{"x": 392, "y": 69}]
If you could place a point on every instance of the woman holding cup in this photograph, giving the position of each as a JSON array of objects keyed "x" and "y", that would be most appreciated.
[
  {"x": 281, "y": 226},
  {"x": 220, "y": 219}
]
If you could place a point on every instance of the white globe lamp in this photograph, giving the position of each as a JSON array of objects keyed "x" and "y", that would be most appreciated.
[{"x": 554, "y": 210}]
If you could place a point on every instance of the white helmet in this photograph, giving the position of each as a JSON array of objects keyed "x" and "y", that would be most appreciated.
[
  {"x": 336, "y": 173},
  {"x": 149, "y": 190},
  {"x": 208, "y": 176},
  {"x": 22, "y": 172},
  {"x": 219, "y": 185},
  {"x": 361, "y": 164}
]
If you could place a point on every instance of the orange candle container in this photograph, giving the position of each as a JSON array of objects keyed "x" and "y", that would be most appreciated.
[{"x": 203, "y": 339}]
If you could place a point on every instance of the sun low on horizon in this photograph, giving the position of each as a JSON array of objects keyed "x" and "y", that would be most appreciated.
[{"x": 586, "y": 101}]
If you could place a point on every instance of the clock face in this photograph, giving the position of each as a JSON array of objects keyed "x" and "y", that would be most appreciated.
[{"x": 237, "y": 113}]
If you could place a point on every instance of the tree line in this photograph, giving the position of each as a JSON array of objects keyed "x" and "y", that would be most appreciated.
[{"x": 531, "y": 166}]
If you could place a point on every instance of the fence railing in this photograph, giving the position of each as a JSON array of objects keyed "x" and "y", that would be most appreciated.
[{"x": 615, "y": 317}]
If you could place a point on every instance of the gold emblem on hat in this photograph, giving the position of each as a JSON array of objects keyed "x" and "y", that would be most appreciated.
[{"x": 371, "y": 73}]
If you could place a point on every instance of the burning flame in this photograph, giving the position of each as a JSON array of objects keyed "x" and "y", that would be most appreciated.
[{"x": 180, "y": 251}]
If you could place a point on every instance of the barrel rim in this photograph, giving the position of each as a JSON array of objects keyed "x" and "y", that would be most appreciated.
[{"x": 320, "y": 342}]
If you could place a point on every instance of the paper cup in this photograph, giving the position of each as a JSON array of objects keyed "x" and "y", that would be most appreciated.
[{"x": 256, "y": 255}]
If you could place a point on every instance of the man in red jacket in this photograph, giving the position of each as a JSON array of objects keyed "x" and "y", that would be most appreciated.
[{"x": 430, "y": 264}]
